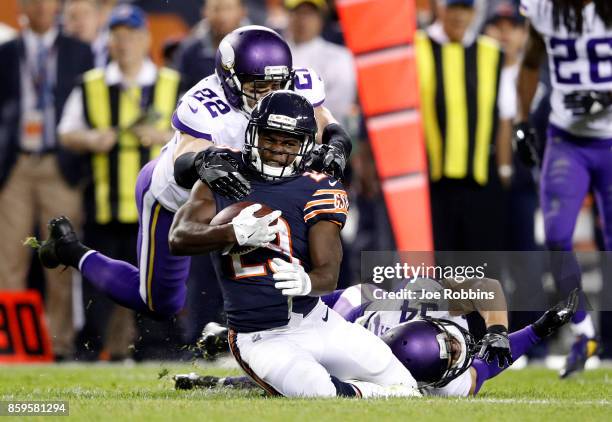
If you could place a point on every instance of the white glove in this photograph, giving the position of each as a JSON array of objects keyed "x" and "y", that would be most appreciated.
[
  {"x": 291, "y": 278},
  {"x": 253, "y": 231}
]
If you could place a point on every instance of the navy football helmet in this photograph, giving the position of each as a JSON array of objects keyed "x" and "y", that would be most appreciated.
[
  {"x": 252, "y": 54},
  {"x": 280, "y": 112},
  {"x": 435, "y": 351}
]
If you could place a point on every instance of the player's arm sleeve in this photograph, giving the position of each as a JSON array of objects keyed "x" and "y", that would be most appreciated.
[
  {"x": 340, "y": 97},
  {"x": 73, "y": 115},
  {"x": 309, "y": 84},
  {"x": 190, "y": 117},
  {"x": 329, "y": 203}
]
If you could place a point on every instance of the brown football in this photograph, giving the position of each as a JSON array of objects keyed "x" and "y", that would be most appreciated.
[{"x": 227, "y": 214}]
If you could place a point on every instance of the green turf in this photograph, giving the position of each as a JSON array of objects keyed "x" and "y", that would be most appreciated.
[{"x": 113, "y": 392}]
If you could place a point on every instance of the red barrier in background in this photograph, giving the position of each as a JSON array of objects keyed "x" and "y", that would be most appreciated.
[
  {"x": 380, "y": 34},
  {"x": 23, "y": 332},
  {"x": 371, "y": 25}
]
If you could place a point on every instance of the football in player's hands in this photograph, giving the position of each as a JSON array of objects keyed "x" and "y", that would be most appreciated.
[{"x": 254, "y": 224}]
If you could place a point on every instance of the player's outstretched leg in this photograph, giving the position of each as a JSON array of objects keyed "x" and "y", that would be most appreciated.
[
  {"x": 521, "y": 341},
  {"x": 157, "y": 288},
  {"x": 117, "y": 279}
]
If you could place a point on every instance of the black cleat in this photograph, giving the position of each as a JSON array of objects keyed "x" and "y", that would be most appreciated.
[
  {"x": 193, "y": 380},
  {"x": 582, "y": 349},
  {"x": 557, "y": 316},
  {"x": 213, "y": 340},
  {"x": 61, "y": 233}
]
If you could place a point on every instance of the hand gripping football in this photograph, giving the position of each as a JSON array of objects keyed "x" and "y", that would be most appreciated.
[{"x": 227, "y": 214}]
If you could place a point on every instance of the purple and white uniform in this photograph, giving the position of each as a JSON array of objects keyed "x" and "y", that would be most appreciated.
[
  {"x": 204, "y": 113},
  {"x": 579, "y": 147},
  {"x": 362, "y": 305}
]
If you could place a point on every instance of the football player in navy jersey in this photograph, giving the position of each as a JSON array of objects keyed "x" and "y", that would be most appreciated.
[{"x": 280, "y": 332}]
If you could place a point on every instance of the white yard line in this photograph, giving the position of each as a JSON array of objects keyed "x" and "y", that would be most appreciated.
[{"x": 546, "y": 402}]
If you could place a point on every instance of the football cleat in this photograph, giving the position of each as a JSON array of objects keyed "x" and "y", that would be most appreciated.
[
  {"x": 213, "y": 340},
  {"x": 557, "y": 316},
  {"x": 61, "y": 233},
  {"x": 582, "y": 349},
  {"x": 193, "y": 380}
]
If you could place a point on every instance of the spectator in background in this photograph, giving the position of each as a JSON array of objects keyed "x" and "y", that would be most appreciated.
[
  {"x": 196, "y": 56},
  {"x": 332, "y": 62},
  {"x": 462, "y": 108},
  {"x": 120, "y": 117},
  {"x": 38, "y": 178},
  {"x": 83, "y": 19}
]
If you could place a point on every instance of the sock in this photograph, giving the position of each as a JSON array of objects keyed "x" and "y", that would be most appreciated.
[
  {"x": 343, "y": 389},
  {"x": 520, "y": 343},
  {"x": 579, "y": 316},
  {"x": 583, "y": 326},
  {"x": 71, "y": 253},
  {"x": 118, "y": 279}
]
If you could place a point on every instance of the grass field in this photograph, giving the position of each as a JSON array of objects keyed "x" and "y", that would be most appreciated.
[{"x": 145, "y": 392}]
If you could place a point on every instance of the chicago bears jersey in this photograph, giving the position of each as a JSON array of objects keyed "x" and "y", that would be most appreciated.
[
  {"x": 251, "y": 301},
  {"x": 379, "y": 315},
  {"x": 204, "y": 113},
  {"x": 577, "y": 62}
]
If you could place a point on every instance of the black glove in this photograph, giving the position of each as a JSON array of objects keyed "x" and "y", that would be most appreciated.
[
  {"x": 221, "y": 172},
  {"x": 557, "y": 316},
  {"x": 327, "y": 159},
  {"x": 496, "y": 344},
  {"x": 581, "y": 103},
  {"x": 524, "y": 142}
]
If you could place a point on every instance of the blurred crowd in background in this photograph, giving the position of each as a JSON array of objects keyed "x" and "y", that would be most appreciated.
[{"x": 50, "y": 125}]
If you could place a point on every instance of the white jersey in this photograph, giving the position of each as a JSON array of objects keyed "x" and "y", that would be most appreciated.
[
  {"x": 380, "y": 315},
  {"x": 577, "y": 62},
  {"x": 205, "y": 113}
]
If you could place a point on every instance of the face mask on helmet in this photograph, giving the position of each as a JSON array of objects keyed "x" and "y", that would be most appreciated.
[
  {"x": 277, "y": 153},
  {"x": 280, "y": 135},
  {"x": 435, "y": 351},
  {"x": 250, "y": 62}
]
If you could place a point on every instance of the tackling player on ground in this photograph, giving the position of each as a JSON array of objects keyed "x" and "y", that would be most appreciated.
[
  {"x": 281, "y": 334},
  {"x": 430, "y": 341},
  {"x": 577, "y": 35},
  {"x": 250, "y": 62}
]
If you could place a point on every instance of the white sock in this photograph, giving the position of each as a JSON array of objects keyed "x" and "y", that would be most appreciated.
[{"x": 584, "y": 327}]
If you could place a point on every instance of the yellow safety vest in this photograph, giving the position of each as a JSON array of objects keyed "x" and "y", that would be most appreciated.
[
  {"x": 459, "y": 87},
  {"x": 114, "y": 173}
]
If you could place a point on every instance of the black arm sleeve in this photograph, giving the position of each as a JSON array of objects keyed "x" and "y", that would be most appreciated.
[
  {"x": 185, "y": 172},
  {"x": 336, "y": 136}
]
